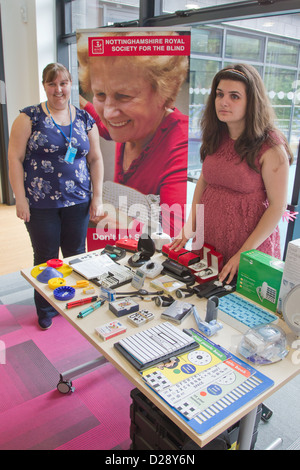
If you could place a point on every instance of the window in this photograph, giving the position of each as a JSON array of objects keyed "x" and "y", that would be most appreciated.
[
  {"x": 280, "y": 83},
  {"x": 242, "y": 47},
  {"x": 282, "y": 53},
  {"x": 207, "y": 41},
  {"x": 96, "y": 13},
  {"x": 170, "y": 6}
]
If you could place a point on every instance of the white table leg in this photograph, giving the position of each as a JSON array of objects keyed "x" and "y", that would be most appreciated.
[{"x": 246, "y": 430}]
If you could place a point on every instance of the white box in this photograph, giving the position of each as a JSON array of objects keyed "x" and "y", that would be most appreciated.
[{"x": 291, "y": 271}]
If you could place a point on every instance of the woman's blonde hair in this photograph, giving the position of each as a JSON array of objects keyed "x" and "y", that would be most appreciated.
[{"x": 165, "y": 73}]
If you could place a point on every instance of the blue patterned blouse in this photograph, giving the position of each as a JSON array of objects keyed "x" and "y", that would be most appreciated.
[{"x": 50, "y": 181}]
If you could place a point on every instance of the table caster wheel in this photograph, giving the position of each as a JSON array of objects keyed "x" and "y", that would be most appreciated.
[
  {"x": 266, "y": 413},
  {"x": 65, "y": 387}
]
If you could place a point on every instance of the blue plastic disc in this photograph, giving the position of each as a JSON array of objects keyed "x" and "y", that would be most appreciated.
[{"x": 64, "y": 293}]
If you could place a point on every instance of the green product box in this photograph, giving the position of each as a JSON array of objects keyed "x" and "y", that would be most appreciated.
[{"x": 259, "y": 278}]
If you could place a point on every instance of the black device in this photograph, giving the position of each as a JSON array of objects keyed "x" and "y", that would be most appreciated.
[
  {"x": 114, "y": 252},
  {"x": 178, "y": 271},
  {"x": 146, "y": 249},
  {"x": 215, "y": 288}
]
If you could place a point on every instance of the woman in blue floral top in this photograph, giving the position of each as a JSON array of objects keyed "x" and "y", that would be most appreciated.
[{"x": 56, "y": 173}]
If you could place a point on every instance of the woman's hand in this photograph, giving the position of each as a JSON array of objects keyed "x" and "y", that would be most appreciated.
[
  {"x": 22, "y": 210},
  {"x": 230, "y": 269},
  {"x": 182, "y": 238},
  {"x": 178, "y": 243},
  {"x": 96, "y": 209}
]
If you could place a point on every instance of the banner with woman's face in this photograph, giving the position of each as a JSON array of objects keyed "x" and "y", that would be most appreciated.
[{"x": 135, "y": 83}]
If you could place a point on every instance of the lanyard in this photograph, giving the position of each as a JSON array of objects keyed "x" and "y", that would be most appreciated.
[{"x": 59, "y": 128}]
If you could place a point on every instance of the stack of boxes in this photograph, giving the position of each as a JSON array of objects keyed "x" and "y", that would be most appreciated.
[{"x": 291, "y": 272}]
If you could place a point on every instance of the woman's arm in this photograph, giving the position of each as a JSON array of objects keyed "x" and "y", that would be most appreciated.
[
  {"x": 189, "y": 229},
  {"x": 95, "y": 162},
  {"x": 275, "y": 171},
  {"x": 20, "y": 133}
]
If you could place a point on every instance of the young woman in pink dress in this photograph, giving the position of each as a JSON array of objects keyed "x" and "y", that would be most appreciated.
[{"x": 244, "y": 178}]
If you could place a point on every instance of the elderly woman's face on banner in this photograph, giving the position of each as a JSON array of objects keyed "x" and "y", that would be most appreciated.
[{"x": 125, "y": 101}]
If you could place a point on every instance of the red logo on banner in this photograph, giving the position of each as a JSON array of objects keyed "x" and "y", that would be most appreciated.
[
  {"x": 97, "y": 46},
  {"x": 139, "y": 45}
]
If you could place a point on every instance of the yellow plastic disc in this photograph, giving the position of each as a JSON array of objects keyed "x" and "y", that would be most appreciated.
[
  {"x": 65, "y": 269},
  {"x": 56, "y": 282}
]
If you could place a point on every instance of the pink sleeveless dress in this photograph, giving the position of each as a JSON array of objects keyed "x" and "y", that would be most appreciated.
[{"x": 234, "y": 201}]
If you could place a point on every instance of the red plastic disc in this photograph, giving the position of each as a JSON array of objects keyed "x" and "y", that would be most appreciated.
[{"x": 55, "y": 263}]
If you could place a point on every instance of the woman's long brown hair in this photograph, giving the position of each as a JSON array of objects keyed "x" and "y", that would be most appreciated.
[{"x": 260, "y": 118}]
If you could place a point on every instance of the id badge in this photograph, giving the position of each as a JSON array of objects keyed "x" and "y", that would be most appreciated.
[{"x": 70, "y": 155}]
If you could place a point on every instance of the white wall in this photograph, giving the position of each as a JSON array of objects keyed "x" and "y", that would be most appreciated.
[{"x": 29, "y": 44}]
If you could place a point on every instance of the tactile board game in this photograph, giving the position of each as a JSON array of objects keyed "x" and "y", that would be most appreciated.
[{"x": 205, "y": 385}]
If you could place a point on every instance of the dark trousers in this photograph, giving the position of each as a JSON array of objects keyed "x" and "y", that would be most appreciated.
[{"x": 51, "y": 229}]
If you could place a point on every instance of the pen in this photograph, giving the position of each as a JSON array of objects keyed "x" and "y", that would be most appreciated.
[
  {"x": 90, "y": 309},
  {"x": 75, "y": 303}
]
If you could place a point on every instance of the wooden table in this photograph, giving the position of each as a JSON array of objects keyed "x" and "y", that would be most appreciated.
[{"x": 281, "y": 372}]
